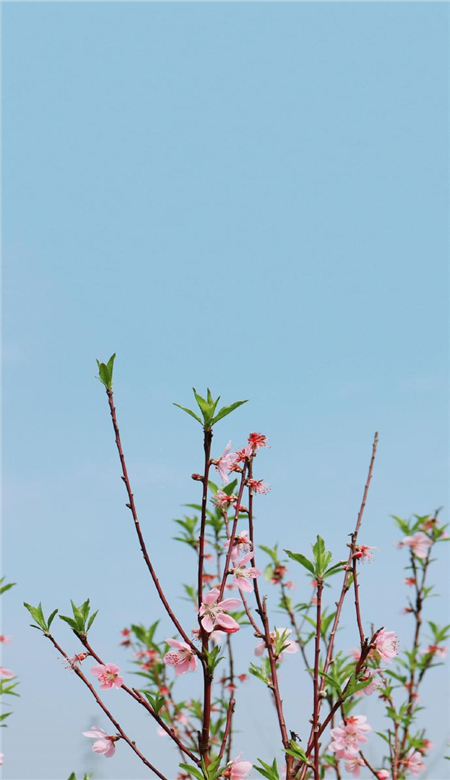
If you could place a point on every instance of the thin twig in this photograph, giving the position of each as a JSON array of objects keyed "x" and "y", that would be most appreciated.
[
  {"x": 108, "y": 714},
  {"x": 132, "y": 507}
]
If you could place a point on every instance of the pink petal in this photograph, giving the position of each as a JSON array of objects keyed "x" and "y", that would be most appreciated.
[
  {"x": 112, "y": 668},
  {"x": 230, "y": 604},
  {"x": 227, "y": 622},
  {"x": 176, "y": 643},
  {"x": 118, "y": 682},
  {"x": 208, "y": 623},
  {"x": 94, "y": 733},
  {"x": 99, "y": 669},
  {"x": 183, "y": 667},
  {"x": 111, "y": 750},
  {"x": 211, "y": 597},
  {"x": 247, "y": 557},
  {"x": 244, "y": 584}
]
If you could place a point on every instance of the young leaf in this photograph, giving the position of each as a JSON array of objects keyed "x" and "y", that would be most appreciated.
[
  {"x": 301, "y": 559},
  {"x": 105, "y": 371},
  {"x": 193, "y": 770},
  {"x": 189, "y": 411},
  {"x": 225, "y": 410}
]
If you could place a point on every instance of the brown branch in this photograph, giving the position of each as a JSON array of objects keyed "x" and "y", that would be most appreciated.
[
  {"x": 131, "y": 506},
  {"x": 227, "y": 727},
  {"x": 295, "y": 626},
  {"x": 345, "y": 586},
  {"x": 262, "y": 611},
  {"x": 369, "y": 766},
  {"x": 129, "y": 742},
  {"x": 316, "y": 680},
  {"x": 357, "y": 604},
  {"x": 137, "y": 696},
  {"x": 207, "y": 439}
]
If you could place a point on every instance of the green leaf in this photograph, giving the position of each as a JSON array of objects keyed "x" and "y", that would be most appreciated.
[
  {"x": 70, "y": 621},
  {"x": 213, "y": 659},
  {"x": 205, "y": 408},
  {"x": 193, "y": 770},
  {"x": 51, "y": 618},
  {"x": 225, "y": 410},
  {"x": 4, "y": 588},
  {"x": 267, "y": 770},
  {"x": 105, "y": 371},
  {"x": 189, "y": 411},
  {"x": 155, "y": 701},
  {"x": 91, "y": 620},
  {"x": 296, "y": 751},
  {"x": 37, "y": 615},
  {"x": 321, "y": 557},
  {"x": 301, "y": 559}
]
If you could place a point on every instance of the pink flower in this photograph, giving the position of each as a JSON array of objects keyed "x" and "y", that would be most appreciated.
[
  {"x": 6, "y": 674},
  {"x": 386, "y": 645},
  {"x": 77, "y": 659},
  {"x": 225, "y": 463},
  {"x": 107, "y": 675},
  {"x": 347, "y": 736},
  {"x": 244, "y": 453},
  {"x": 213, "y": 613},
  {"x": 383, "y": 774},
  {"x": 243, "y": 574},
  {"x": 362, "y": 552},
  {"x": 104, "y": 744},
  {"x": 184, "y": 659},
  {"x": 353, "y": 765},
  {"x": 356, "y": 653},
  {"x": 258, "y": 486},
  {"x": 290, "y": 645},
  {"x": 2, "y": 755},
  {"x": 257, "y": 440},
  {"x": 241, "y": 545},
  {"x": 5, "y": 640},
  {"x": 239, "y": 770},
  {"x": 419, "y": 544},
  {"x": 223, "y": 500},
  {"x": 413, "y": 762},
  {"x": 374, "y": 684},
  {"x": 410, "y": 581}
]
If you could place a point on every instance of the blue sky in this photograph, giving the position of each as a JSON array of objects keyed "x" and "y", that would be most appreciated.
[{"x": 251, "y": 196}]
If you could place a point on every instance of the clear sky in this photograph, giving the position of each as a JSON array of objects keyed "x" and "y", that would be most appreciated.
[{"x": 251, "y": 196}]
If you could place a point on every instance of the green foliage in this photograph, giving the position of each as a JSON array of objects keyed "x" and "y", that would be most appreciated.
[
  {"x": 156, "y": 702},
  {"x": 297, "y": 752},
  {"x": 81, "y": 621},
  {"x": 74, "y": 777},
  {"x": 213, "y": 658},
  {"x": 262, "y": 672},
  {"x": 105, "y": 372},
  {"x": 269, "y": 771},
  {"x": 188, "y": 535},
  {"x": 207, "y": 408},
  {"x": 318, "y": 566},
  {"x": 38, "y": 616},
  {"x": 207, "y": 772},
  {"x": 4, "y": 588},
  {"x": 281, "y": 641}
]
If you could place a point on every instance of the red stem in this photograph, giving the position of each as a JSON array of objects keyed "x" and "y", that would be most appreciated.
[
  {"x": 316, "y": 681},
  {"x": 129, "y": 742},
  {"x": 137, "y": 696},
  {"x": 132, "y": 507}
]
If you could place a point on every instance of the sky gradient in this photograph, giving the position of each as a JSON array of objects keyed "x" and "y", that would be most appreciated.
[{"x": 247, "y": 196}]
